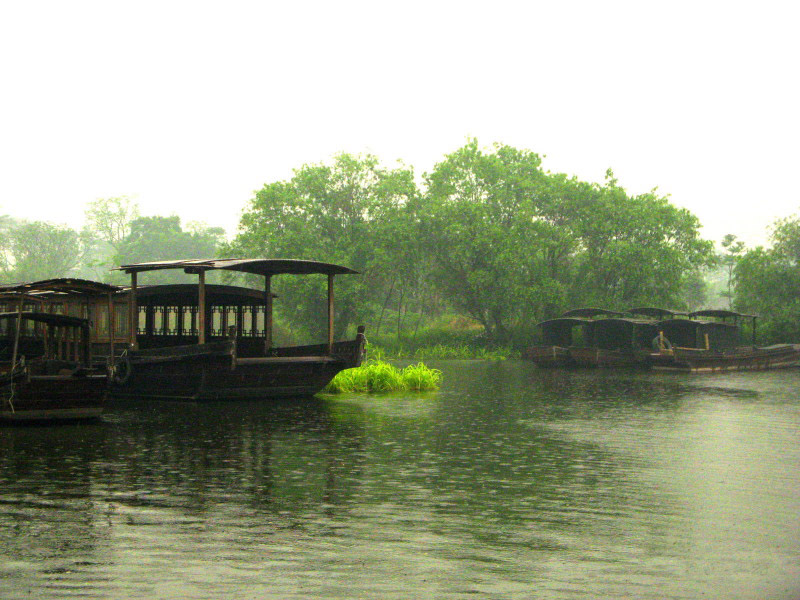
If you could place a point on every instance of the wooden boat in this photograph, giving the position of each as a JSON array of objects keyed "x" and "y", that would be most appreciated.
[
  {"x": 743, "y": 358},
  {"x": 616, "y": 342},
  {"x": 51, "y": 380},
  {"x": 592, "y": 337},
  {"x": 697, "y": 344},
  {"x": 559, "y": 335},
  {"x": 190, "y": 348}
]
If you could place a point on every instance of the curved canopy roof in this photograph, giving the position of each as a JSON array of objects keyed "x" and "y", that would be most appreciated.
[
  {"x": 591, "y": 312},
  {"x": 694, "y": 323},
  {"x": 719, "y": 314},
  {"x": 188, "y": 292},
  {"x": 63, "y": 285},
  {"x": 563, "y": 321},
  {"x": 49, "y": 318},
  {"x": 653, "y": 311},
  {"x": 256, "y": 266}
]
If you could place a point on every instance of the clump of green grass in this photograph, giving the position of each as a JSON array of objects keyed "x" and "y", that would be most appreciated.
[{"x": 379, "y": 376}]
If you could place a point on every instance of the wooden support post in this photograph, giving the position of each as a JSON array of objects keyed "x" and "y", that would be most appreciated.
[
  {"x": 16, "y": 338},
  {"x": 110, "y": 329},
  {"x": 133, "y": 314},
  {"x": 330, "y": 314},
  {"x": 201, "y": 308},
  {"x": 86, "y": 346},
  {"x": 48, "y": 331},
  {"x": 267, "y": 313}
]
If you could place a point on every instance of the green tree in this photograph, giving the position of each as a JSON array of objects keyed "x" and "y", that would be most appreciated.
[
  {"x": 635, "y": 249},
  {"x": 162, "y": 238},
  {"x": 482, "y": 226},
  {"x": 513, "y": 244},
  {"x": 40, "y": 250},
  {"x": 733, "y": 251},
  {"x": 767, "y": 283},
  {"x": 107, "y": 224},
  {"x": 350, "y": 212}
]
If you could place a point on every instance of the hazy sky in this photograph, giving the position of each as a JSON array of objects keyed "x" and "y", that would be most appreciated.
[{"x": 188, "y": 107}]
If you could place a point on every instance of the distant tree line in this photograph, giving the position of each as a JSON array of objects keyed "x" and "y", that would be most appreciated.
[
  {"x": 477, "y": 251},
  {"x": 489, "y": 236},
  {"x": 113, "y": 234}
]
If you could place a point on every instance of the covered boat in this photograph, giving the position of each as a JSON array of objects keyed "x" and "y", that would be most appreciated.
[
  {"x": 558, "y": 335},
  {"x": 710, "y": 340},
  {"x": 46, "y": 368},
  {"x": 616, "y": 342},
  {"x": 215, "y": 342}
]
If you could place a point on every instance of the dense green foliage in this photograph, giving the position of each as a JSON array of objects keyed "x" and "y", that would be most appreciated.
[
  {"x": 767, "y": 283},
  {"x": 38, "y": 250},
  {"x": 352, "y": 212},
  {"x": 162, "y": 238},
  {"x": 379, "y": 376},
  {"x": 491, "y": 236}
]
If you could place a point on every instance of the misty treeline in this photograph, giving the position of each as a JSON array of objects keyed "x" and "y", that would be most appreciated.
[
  {"x": 113, "y": 234},
  {"x": 475, "y": 252}
]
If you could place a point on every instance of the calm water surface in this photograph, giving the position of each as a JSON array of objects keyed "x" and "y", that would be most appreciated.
[{"x": 511, "y": 482}]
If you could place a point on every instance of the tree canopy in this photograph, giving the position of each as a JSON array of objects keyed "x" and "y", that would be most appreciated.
[
  {"x": 491, "y": 234},
  {"x": 767, "y": 283}
]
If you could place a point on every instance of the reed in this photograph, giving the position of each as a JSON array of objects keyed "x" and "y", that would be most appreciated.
[{"x": 379, "y": 376}]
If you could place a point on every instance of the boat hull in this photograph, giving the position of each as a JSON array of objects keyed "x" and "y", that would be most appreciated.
[
  {"x": 549, "y": 356},
  {"x": 598, "y": 357},
  {"x": 48, "y": 398},
  {"x": 215, "y": 372},
  {"x": 692, "y": 360}
]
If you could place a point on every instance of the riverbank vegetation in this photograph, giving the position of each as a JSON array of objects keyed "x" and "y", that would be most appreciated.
[{"x": 460, "y": 262}]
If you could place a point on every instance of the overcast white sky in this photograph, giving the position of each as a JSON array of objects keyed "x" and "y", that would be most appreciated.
[{"x": 188, "y": 107}]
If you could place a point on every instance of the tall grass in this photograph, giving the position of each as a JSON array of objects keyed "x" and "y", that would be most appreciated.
[{"x": 380, "y": 376}]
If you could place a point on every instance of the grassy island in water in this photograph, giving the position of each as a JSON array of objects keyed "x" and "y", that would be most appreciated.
[{"x": 380, "y": 376}]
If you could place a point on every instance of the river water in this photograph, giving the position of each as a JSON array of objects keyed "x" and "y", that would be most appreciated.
[{"x": 510, "y": 482}]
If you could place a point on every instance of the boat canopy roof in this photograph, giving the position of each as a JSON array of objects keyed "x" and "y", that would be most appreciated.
[
  {"x": 256, "y": 266},
  {"x": 61, "y": 285},
  {"x": 653, "y": 312},
  {"x": 719, "y": 314},
  {"x": 563, "y": 322},
  {"x": 591, "y": 313},
  {"x": 48, "y": 318},
  {"x": 695, "y": 323},
  {"x": 180, "y": 293}
]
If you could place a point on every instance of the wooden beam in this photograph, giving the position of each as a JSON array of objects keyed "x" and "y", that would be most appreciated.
[
  {"x": 110, "y": 329},
  {"x": 16, "y": 338},
  {"x": 267, "y": 313},
  {"x": 133, "y": 314},
  {"x": 201, "y": 308},
  {"x": 330, "y": 314}
]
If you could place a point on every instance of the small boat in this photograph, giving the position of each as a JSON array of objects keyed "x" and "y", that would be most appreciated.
[
  {"x": 616, "y": 342},
  {"x": 709, "y": 341},
  {"x": 49, "y": 378},
  {"x": 592, "y": 337},
  {"x": 202, "y": 342},
  {"x": 559, "y": 336}
]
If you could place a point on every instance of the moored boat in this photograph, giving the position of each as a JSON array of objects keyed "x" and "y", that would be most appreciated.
[
  {"x": 46, "y": 370},
  {"x": 709, "y": 341},
  {"x": 190, "y": 348}
]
